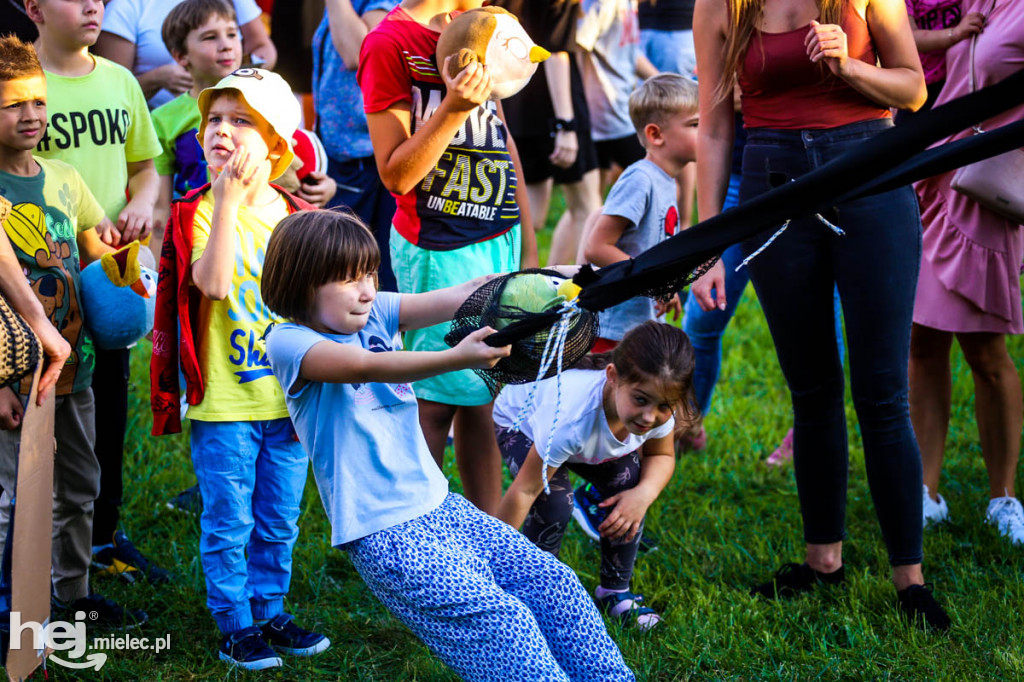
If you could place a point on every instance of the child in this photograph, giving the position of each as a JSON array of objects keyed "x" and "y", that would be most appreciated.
[
  {"x": 51, "y": 228},
  {"x": 204, "y": 39},
  {"x": 485, "y": 600},
  {"x": 251, "y": 468},
  {"x": 443, "y": 150},
  {"x": 641, "y": 209},
  {"x": 615, "y": 429},
  {"x": 99, "y": 124}
]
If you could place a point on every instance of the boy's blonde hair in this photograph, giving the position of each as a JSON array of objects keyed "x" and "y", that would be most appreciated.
[
  {"x": 659, "y": 97},
  {"x": 187, "y": 17},
  {"x": 18, "y": 59}
]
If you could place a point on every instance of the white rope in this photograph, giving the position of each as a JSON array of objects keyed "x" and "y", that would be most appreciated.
[
  {"x": 554, "y": 350},
  {"x": 778, "y": 233}
]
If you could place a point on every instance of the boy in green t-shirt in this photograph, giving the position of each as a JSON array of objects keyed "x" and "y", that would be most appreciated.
[
  {"x": 51, "y": 228},
  {"x": 100, "y": 125}
]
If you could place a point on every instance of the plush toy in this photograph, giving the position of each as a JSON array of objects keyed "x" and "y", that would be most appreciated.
[
  {"x": 118, "y": 298},
  {"x": 534, "y": 293},
  {"x": 491, "y": 36}
]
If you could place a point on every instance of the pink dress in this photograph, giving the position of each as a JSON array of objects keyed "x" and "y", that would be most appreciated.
[{"x": 971, "y": 259}]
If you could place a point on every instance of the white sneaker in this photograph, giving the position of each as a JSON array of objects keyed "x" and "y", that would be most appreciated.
[
  {"x": 1007, "y": 514},
  {"x": 934, "y": 512}
]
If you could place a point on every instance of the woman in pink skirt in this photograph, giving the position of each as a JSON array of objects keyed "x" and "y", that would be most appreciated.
[{"x": 969, "y": 287}]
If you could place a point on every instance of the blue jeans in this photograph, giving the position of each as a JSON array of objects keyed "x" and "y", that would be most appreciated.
[
  {"x": 251, "y": 476},
  {"x": 706, "y": 327},
  {"x": 875, "y": 267},
  {"x": 360, "y": 189}
]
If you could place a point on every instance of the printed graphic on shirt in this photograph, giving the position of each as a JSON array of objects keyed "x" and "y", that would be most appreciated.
[
  {"x": 671, "y": 221},
  {"x": 191, "y": 163},
  {"x": 44, "y": 241},
  {"x": 474, "y": 180},
  {"x": 364, "y": 393},
  {"x": 96, "y": 127}
]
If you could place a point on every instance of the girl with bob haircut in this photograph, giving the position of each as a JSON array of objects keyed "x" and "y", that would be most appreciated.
[
  {"x": 484, "y": 599},
  {"x": 613, "y": 427}
]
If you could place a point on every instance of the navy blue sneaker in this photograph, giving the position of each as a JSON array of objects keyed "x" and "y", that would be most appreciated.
[
  {"x": 287, "y": 637},
  {"x": 586, "y": 512},
  {"x": 247, "y": 649}
]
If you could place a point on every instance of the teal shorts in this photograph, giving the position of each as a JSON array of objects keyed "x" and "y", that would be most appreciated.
[{"x": 418, "y": 270}]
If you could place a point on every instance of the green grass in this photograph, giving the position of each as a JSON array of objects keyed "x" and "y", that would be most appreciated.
[{"x": 724, "y": 522}]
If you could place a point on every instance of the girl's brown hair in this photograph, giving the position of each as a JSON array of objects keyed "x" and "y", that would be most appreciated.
[
  {"x": 744, "y": 18},
  {"x": 309, "y": 249},
  {"x": 654, "y": 351}
]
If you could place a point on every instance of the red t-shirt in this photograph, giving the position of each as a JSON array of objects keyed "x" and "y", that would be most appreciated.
[{"x": 470, "y": 195}]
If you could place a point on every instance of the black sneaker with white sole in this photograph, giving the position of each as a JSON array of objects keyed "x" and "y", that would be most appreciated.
[
  {"x": 285, "y": 636},
  {"x": 793, "y": 579},
  {"x": 247, "y": 649}
]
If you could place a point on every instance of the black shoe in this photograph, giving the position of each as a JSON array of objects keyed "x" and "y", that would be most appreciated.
[
  {"x": 124, "y": 559},
  {"x": 285, "y": 636},
  {"x": 648, "y": 543},
  {"x": 188, "y": 501},
  {"x": 793, "y": 579},
  {"x": 102, "y": 612},
  {"x": 247, "y": 649},
  {"x": 917, "y": 603}
]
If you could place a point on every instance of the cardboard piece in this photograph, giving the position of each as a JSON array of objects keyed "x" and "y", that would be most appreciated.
[{"x": 33, "y": 529}]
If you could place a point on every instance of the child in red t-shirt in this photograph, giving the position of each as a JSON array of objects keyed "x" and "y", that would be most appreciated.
[{"x": 442, "y": 148}]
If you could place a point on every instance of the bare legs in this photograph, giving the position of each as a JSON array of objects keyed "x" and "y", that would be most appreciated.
[
  {"x": 581, "y": 199},
  {"x": 998, "y": 407},
  {"x": 476, "y": 448}
]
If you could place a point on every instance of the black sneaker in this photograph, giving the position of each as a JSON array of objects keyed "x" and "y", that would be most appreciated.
[
  {"x": 247, "y": 649},
  {"x": 917, "y": 603},
  {"x": 123, "y": 559},
  {"x": 287, "y": 637},
  {"x": 793, "y": 579},
  {"x": 188, "y": 501},
  {"x": 102, "y": 612},
  {"x": 648, "y": 543},
  {"x": 586, "y": 511}
]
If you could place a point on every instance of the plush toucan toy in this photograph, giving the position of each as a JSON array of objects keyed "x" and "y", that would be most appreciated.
[
  {"x": 118, "y": 297},
  {"x": 491, "y": 36}
]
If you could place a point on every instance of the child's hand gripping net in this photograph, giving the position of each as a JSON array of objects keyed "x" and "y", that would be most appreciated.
[{"x": 527, "y": 308}]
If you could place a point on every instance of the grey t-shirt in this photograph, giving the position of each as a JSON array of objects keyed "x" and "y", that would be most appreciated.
[{"x": 645, "y": 195}]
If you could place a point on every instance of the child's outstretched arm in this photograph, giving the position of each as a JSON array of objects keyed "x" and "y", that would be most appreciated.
[
  {"x": 628, "y": 508},
  {"x": 338, "y": 363},
  {"x": 417, "y": 311},
  {"x": 525, "y": 490},
  {"x": 600, "y": 248}
]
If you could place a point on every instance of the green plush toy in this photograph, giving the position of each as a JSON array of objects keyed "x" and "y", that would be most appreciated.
[{"x": 534, "y": 293}]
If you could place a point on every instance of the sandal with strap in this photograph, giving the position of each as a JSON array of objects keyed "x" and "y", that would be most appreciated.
[{"x": 625, "y": 607}]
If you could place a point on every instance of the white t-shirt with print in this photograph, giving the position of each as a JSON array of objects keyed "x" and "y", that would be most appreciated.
[{"x": 582, "y": 434}]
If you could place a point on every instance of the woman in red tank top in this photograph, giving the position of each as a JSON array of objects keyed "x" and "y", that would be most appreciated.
[{"x": 816, "y": 79}]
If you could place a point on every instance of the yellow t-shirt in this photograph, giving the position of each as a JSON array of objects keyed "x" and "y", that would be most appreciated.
[
  {"x": 240, "y": 385},
  {"x": 98, "y": 123}
]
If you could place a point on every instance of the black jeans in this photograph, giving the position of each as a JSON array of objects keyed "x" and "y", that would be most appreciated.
[
  {"x": 875, "y": 267},
  {"x": 549, "y": 517},
  {"x": 110, "y": 388}
]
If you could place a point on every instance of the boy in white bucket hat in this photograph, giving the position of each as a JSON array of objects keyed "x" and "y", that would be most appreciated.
[{"x": 250, "y": 466}]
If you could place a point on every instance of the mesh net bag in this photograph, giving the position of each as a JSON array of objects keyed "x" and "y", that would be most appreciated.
[{"x": 529, "y": 326}]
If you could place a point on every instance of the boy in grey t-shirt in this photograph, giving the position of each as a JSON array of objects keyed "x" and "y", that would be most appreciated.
[{"x": 641, "y": 209}]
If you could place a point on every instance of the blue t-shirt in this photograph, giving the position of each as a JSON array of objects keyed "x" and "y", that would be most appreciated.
[
  {"x": 340, "y": 119},
  {"x": 645, "y": 195},
  {"x": 370, "y": 459}
]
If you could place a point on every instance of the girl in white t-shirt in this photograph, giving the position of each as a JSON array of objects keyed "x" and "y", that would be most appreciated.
[{"x": 613, "y": 425}]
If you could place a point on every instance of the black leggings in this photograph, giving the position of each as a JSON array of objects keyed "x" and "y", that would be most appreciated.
[{"x": 549, "y": 517}]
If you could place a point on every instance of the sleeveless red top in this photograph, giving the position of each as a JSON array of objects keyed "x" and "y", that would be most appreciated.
[{"x": 782, "y": 88}]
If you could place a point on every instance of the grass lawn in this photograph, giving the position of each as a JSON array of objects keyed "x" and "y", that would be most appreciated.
[{"x": 724, "y": 523}]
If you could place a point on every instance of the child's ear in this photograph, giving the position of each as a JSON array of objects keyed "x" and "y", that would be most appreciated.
[
  {"x": 652, "y": 133},
  {"x": 181, "y": 59},
  {"x": 33, "y": 11},
  {"x": 279, "y": 149},
  {"x": 612, "y": 374}
]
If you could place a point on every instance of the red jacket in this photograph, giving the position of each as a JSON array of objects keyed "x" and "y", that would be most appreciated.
[{"x": 177, "y": 305}]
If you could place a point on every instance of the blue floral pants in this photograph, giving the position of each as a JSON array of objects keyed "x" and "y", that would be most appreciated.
[{"x": 486, "y": 600}]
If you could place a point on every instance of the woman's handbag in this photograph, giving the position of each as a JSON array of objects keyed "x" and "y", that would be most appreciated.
[
  {"x": 997, "y": 183},
  {"x": 19, "y": 347}
]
